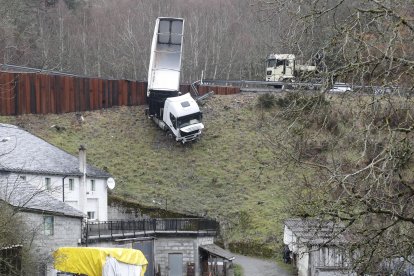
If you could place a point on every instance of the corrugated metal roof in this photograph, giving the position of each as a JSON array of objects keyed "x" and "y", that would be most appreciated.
[
  {"x": 218, "y": 251},
  {"x": 22, "y": 152},
  {"x": 316, "y": 231},
  {"x": 21, "y": 194}
]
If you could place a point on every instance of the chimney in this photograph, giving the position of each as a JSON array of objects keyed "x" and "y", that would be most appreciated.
[{"x": 82, "y": 159}]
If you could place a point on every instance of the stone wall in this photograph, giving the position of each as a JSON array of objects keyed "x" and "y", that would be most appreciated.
[
  {"x": 186, "y": 246},
  {"x": 67, "y": 233},
  {"x": 119, "y": 212},
  {"x": 166, "y": 245}
]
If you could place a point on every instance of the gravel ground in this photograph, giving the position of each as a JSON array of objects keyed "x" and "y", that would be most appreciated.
[{"x": 258, "y": 267}]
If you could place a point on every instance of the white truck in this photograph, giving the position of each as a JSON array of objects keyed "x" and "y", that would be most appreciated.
[
  {"x": 283, "y": 68},
  {"x": 178, "y": 115}
]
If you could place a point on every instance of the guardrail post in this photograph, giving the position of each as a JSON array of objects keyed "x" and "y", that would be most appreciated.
[
  {"x": 99, "y": 231},
  {"x": 110, "y": 223},
  {"x": 144, "y": 227},
  {"x": 122, "y": 228}
]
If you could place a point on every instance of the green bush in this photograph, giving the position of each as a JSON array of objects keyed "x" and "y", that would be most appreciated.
[
  {"x": 238, "y": 270},
  {"x": 302, "y": 101},
  {"x": 266, "y": 100}
]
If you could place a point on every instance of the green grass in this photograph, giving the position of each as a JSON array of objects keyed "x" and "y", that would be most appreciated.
[
  {"x": 228, "y": 172},
  {"x": 238, "y": 270},
  {"x": 233, "y": 174}
]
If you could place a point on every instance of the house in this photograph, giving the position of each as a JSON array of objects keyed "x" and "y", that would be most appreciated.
[
  {"x": 173, "y": 246},
  {"x": 66, "y": 177},
  {"x": 47, "y": 223},
  {"x": 316, "y": 247}
]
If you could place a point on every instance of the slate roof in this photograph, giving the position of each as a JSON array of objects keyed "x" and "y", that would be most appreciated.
[
  {"x": 21, "y": 194},
  {"x": 21, "y": 152},
  {"x": 218, "y": 251},
  {"x": 316, "y": 231}
]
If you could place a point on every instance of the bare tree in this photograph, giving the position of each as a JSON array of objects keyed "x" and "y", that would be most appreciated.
[{"x": 352, "y": 156}]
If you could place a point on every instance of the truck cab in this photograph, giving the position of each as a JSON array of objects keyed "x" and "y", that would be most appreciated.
[
  {"x": 182, "y": 117},
  {"x": 284, "y": 68},
  {"x": 280, "y": 67}
]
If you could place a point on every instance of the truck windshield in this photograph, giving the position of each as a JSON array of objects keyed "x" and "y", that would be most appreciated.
[
  {"x": 189, "y": 120},
  {"x": 276, "y": 62},
  {"x": 271, "y": 63}
]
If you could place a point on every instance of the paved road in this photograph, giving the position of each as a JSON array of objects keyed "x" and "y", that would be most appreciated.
[{"x": 258, "y": 267}]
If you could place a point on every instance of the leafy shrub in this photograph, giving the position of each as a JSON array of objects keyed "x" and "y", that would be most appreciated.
[
  {"x": 302, "y": 101},
  {"x": 266, "y": 100}
]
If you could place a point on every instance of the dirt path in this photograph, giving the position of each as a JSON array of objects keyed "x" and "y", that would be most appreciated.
[{"x": 258, "y": 267}]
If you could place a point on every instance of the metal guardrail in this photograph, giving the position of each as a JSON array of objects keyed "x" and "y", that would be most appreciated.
[
  {"x": 133, "y": 228},
  {"x": 368, "y": 89}
]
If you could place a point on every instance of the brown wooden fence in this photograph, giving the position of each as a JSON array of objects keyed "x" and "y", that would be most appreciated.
[{"x": 36, "y": 93}]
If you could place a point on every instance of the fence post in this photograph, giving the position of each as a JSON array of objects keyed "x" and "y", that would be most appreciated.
[
  {"x": 144, "y": 227},
  {"x": 134, "y": 226},
  {"x": 87, "y": 233},
  {"x": 99, "y": 230},
  {"x": 110, "y": 225},
  {"x": 122, "y": 228}
]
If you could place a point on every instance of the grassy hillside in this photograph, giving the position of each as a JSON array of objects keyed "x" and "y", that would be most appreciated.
[
  {"x": 236, "y": 173},
  {"x": 227, "y": 175}
]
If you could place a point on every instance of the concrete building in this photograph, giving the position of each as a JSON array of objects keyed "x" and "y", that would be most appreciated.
[
  {"x": 48, "y": 223},
  {"x": 46, "y": 174},
  {"x": 178, "y": 254},
  {"x": 64, "y": 176},
  {"x": 316, "y": 247}
]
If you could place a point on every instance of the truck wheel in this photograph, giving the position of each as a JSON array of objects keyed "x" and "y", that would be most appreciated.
[{"x": 170, "y": 135}]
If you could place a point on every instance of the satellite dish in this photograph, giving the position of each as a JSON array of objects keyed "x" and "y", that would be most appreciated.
[{"x": 110, "y": 183}]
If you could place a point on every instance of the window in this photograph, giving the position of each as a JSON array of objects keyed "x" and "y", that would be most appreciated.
[
  {"x": 280, "y": 62},
  {"x": 271, "y": 63},
  {"x": 48, "y": 224},
  {"x": 48, "y": 183},
  {"x": 173, "y": 120},
  {"x": 185, "y": 104},
  {"x": 71, "y": 184},
  {"x": 91, "y": 215},
  {"x": 189, "y": 119},
  {"x": 93, "y": 188}
]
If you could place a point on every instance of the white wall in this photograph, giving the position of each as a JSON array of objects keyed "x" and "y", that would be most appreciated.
[
  {"x": 100, "y": 195},
  {"x": 290, "y": 239},
  {"x": 303, "y": 261},
  {"x": 72, "y": 198}
]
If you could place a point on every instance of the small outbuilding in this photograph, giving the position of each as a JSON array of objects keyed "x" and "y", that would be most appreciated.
[
  {"x": 316, "y": 247},
  {"x": 215, "y": 261}
]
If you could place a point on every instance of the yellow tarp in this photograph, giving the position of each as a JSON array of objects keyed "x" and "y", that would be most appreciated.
[{"x": 90, "y": 260}]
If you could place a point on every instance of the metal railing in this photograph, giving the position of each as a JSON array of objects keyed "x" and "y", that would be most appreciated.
[{"x": 132, "y": 228}]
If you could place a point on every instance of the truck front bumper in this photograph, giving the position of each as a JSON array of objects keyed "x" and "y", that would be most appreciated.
[{"x": 187, "y": 137}]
